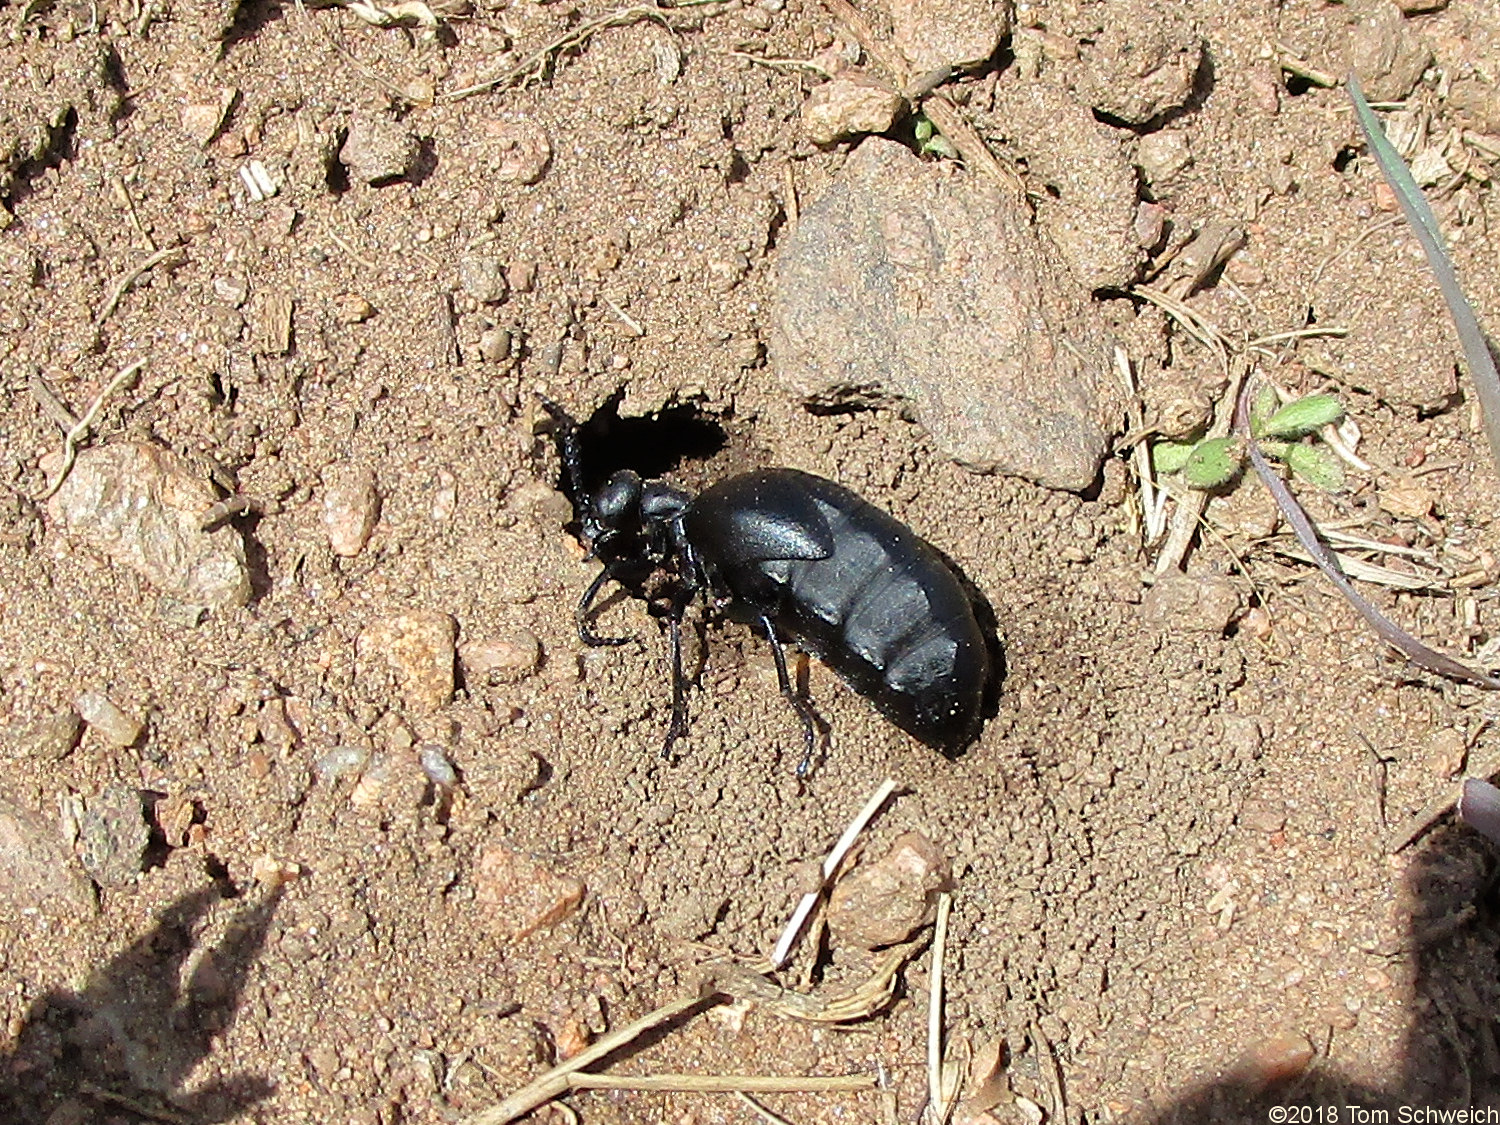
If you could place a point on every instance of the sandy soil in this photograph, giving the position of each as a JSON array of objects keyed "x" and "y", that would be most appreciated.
[{"x": 1180, "y": 869}]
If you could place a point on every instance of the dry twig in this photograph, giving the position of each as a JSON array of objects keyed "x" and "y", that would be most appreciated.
[
  {"x": 557, "y": 1081},
  {"x": 539, "y": 61},
  {"x": 793, "y": 929},
  {"x": 80, "y": 431},
  {"x": 123, "y": 283}
]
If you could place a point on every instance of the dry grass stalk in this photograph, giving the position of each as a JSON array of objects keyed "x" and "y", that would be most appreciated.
[{"x": 789, "y": 935}]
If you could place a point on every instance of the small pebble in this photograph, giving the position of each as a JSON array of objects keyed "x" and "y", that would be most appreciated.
[
  {"x": 521, "y": 276},
  {"x": 885, "y": 902},
  {"x": 142, "y": 506},
  {"x": 378, "y": 150},
  {"x": 105, "y": 716},
  {"x": 419, "y": 647},
  {"x": 517, "y": 895},
  {"x": 436, "y": 766},
  {"x": 351, "y": 507},
  {"x": 1277, "y": 1059},
  {"x": 271, "y": 872},
  {"x": 354, "y": 309},
  {"x": 849, "y": 106},
  {"x": 1266, "y": 815},
  {"x": 482, "y": 277},
  {"x": 1161, "y": 155},
  {"x": 1407, "y": 499},
  {"x": 339, "y": 763},
  {"x": 113, "y": 836},
  {"x": 494, "y": 345},
  {"x": 503, "y": 659},
  {"x": 50, "y": 738}
]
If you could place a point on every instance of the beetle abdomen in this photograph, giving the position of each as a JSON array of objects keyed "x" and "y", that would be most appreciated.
[{"x": 875, "y": 601}]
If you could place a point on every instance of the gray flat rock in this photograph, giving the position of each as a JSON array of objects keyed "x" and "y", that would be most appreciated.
[
  {"x": 918, "y": 285},
  {"x": 143, "y": 507}
]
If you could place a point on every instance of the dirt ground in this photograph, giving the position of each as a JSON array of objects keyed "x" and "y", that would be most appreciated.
[{"x": 1180, "y": 860}]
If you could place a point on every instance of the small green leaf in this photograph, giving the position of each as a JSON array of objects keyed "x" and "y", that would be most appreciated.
[
  {"x": 1265, "y": 404},
  {"x": 1317, "y": 466},
  {"x": 1276, "y": 449},
  {"x": 940, "y": 145},
  {"x": 1214, "y": 462},
  {"x": 1304, "y": 416},
  {"x": 923, "y": 128},
  {"x": 1171, "y": 456}
]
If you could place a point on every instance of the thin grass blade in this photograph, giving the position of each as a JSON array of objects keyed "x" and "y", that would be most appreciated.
[
  {"x": 1302, "y": 526},
  {"x": 1424, "y": 225}
]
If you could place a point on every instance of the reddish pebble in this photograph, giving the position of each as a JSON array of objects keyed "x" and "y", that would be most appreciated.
[
  {"x": 1277, "y": 1059},
  {"x": 519, "y": 895},
  {"x": 571, "y": 1038}
]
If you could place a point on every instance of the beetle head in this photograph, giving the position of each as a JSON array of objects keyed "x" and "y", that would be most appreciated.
[{"x": 615, "y": 508}]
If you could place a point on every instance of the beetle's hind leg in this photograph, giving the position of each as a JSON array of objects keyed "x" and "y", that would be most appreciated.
[
  {"x": 799, "y": 705},
  {"x": 586, "y": 632}
]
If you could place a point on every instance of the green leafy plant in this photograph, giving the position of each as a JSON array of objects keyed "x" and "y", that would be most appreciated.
[
  {"x": 929, "y": 141},
  {"x": 1280, "y": 431}
]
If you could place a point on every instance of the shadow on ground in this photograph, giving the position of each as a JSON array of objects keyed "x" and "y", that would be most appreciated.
[
  {"x": 122, "y": 1048},
  {"x": 1450, "y": 1061}
]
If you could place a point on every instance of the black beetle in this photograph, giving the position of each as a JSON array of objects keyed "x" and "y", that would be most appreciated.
[{"x": 805, "y": 558}]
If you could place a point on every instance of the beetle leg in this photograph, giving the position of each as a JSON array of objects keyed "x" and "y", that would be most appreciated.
[
  {"x": 678, "y": 725},
  {"x": 799, "y": 705},
  {"x": 586, "y": 632}
]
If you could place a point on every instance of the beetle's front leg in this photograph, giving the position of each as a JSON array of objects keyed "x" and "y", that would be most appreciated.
[
  {"x": 586, "y": 632},
  {"x": 678, "y": 726}
]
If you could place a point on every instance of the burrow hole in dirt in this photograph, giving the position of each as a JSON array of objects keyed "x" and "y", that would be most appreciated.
[{"x": 672, "y": 442}]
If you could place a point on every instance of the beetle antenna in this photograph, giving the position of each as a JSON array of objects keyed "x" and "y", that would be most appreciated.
[{"x": 569, "y": 450}]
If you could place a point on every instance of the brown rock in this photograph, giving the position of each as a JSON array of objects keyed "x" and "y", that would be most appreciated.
[
  {"x": 351, "y": 507},
  {"x": 848, "y": 106},
  {"x": 203, "y": 120},
  {"x": 35, "y": 867},
  {"x": 519, "y": 895},
  {"x": 885, "y": 902},
  {"x": 418, "y": 646},
  {"x": 907, "y": 283},
  {"x": 1388, "y": 55},
  {"x": 143, "y": 507},
  {"x": 50, "y": 738},
  {"x": 506, "y": 659},
  {"x": 1276, "y": 1059},
  {"x": 378, "y": 150},
  {"x": 933, "y": 34},
  {"x": 1180, "y": 603}
]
